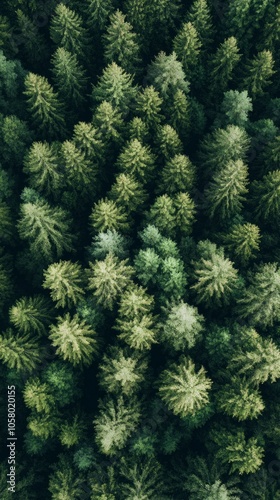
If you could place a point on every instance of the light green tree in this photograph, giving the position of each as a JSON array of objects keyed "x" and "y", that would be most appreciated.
[
  {"x": 87, "y": 139},
  {"x": 65, "y": 280},
  {"x": 128, "y": 192},
  {"x": 80, "y": 173},
  {"x": 259, "y": 72},
  {"x": 142, "y": 479},
  {"x": 166, "y": 74},
  {"x": 240, "y": 400},
  {"x": 37, "y": 396},
  {"x": 148, "y": 105},
  {"x": 172, "y": 278},
  {"x": 109, "y": 122},
  {"x": 139, "y": 333},
  {"x": 187, "y": 47},
  {"x": 108, "y": 278},
  {"x": 42, "y": 164},
  {"x": 146, "y": 264},
  {"x": 31, "y": 314},
  {"x": 183, "y": 389},
  {"x": 183, "y": 326},
  {"x": 20, "y": 352},
  {"x": 135, "y": 302},
  {"x": 64, "y": 482},
  {"x": 184, "y": 212},
  {"x": 137, "y": 160},
  {"x": 178, "y": 174},
  {"x": 67, "y": 30},
  {"x": 69, "y": 77},
  {"x": 108, "y": 242},
  {"x": 168, "y": 141},
  {"x": 115, "y": 423},
  {"x": 74, "y": 339},
  {"x": 162, "y": 215},
  {"x": 71, "y": 432},
  {"x": 107, "y": 215},
  {"x": 243, "y": 241},
  {"x": 235, "y": 108},
  {"x": 223, "y": 63}
]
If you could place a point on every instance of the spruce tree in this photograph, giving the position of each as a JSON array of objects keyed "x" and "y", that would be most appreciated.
[
  {"x": 243, "y": 241},
  {"x": 37, "y": 396},
  {"x": 140, "y": 333},
  {"x": 73, "y": 339},
  {"x": 42, "y": 164},
  {"x": 259, "y": 71},
  {"x": 167, "y": 76},
  {"x": 183, "y": 326},
  {"x": 69, "y": 77},
  {"x": 107, "y": 215},
  {"x": 80, "y": 173},
  {"x": 142, "y": 479},
  {"x": 168, "y": 142},
  {"x": 137, "y": 160},
  {"x": 109, "y": 123},
  {"x": 97, "y": 12},
  {"x": 33, "y": 43},
  {"x": 135, "y": 302},
  {"x": 20, "y": 352},
  {"x": 199, "y": 15},
  {"x": 64, "y": 482},
  {"x": 239, "y": 400},
  {"x": 138, "y": 129},
  {"x": 108, "y": 278},
  {"x": 106, "y": 242},
  {"x": 185, "y": 212},
  {"x": 71, "y": 432},
  {"x": 128, "y": 192},
  {"x": 187, "y": 47},
  {"x": 178, "y": 174},
  {"x": 180, "y": 113},
  {"x": 87, "y": 139},
  {"x": 223, "y": 63},
  {"x": 146, "y": 264},
  {"x": 121, "y": 44},
  {"x": 31, "y": 314},
  {"x": 266, "y": 196},
  {"x": 148, "y": 105},
  {"x": 46, "y": 110},
  {"x": 65, "y": 281},
  {"x": 67, "y": 31},
  {"x": 235, "y": 108},
  {"x": 183, "y": 389},
  {"x": 162, "y": 214}
]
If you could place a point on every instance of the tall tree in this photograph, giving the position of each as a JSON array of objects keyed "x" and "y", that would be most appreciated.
[
  {"x": 65, "y": 281},
  {"x": 243, "y": 241},
  {"x": 31, "y": 314},
  {"x": 107, "y": 215},
  {"x": 178, "y": 174},
  {"x": 223, "y": 63},
  {"x": 21, "y": 352},
  {"x": 182, "y": 327},
  {"x": 199, "y": 15},
  {"x": 67, "y": 30},
  {"x": 259, "y": 72},
  {"x": 137, "y": 160},
  {"x": 187, "y": 47},
  {"x": 69, "y": 77},
  {"x": 42, "y": 163},
  {"x": 266, "y": 196},
  {"x": 166, "y": 74}
]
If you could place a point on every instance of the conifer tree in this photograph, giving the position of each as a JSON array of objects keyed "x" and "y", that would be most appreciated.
[
  {"x": 121, "y": 44},
  {"x": 46, "y": 110},
  {"x": 235, "y": 108},
  {"x": 109, "y": 123},
  {"x": 200, "y": 16},
  {"x": 142, "y": 479},
  {"x": 183, "y": 326},
  {"x": 180, "y": 113},
  {"x": 74, "y": 339},
  {"x": 148, "y": 105},
  {"x": 33, "y": 43},
  {"x": 37, "y": 396},
  {"x": 6, "y": 223},
  {"x": 115, "y": 423},
  {"x": 172, "y": 278},
  {"x": 43, "y": 425},
  {"x": 259, "y": 71},
  {"x": 147, "y": 263},
  {"x": 138, "y": 129},
  {"x": 266, "y": 195},
  {"x": 42, "y": 164},
  {"x": 178, "y": 174},
  {"x": 80, "y": 174},
  {"x": 62, "y": 380},
  {"x": 167, "y": 76},
  {"x": 223, "y": 63},
  {"x": 128, "y": 192},
  {"x": 31, "y": 314},
  {"x": 216, "y": 278},
  {"x": 187, "y": 47},
  {"x": 139, "y": 333},
  {"x": 122, "y": 371},
  {"x": 168, "y": 142},
  {"x": 243, "y": 241},
  {"x": 183, "y": 389},
  {"x": 107, "y": 215},
  {"x": 225, "y": 193},
  {"x": 239, "y": 400},
  {"x": 137, "y": 160},
  {"x": 65, "y": 281},
  {"x": 116, "y": 87},
  {"x": 108, "y": 242},
  {"x": 19, "y": 351},
  {"x": 72, "y": 431},
  {"x": 16, "y": 137},
  {"x": 135, "y": 302},
  {"x": 162, "y": 214},
  {"x": 98, "y": 12},
  {"x": 64, "y": 482},
  {"x": 185, "y": 212},
  {"x": 87, "y": 139},
  {"x": 108, "y": 278},
  {"x": 260, "y": 301},
  {"x": 67, "y": 30},
  {"x": 69, "y": 77},
  {"x": 45, "y": 227}
]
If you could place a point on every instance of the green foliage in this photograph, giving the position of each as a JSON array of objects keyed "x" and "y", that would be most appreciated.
[
  {"x": 97, "y": 12},
  {"x": 168, "y": 142},
  {"x": 243, "y": 241},
  {"x": 137, "y": 160},
  {"x": 106, "y": 242},
  {"x": 239, "y": 400},
  {"x": 64, "y": 482},
  {"x": 177, "y": 175},
  {"x": 33, "y": 43},
  {"x": 71, "y": 432},
  {"x": 166, "y": 74},
  {"x": 80, "y": 173},
  {"x": 183, "y": 389},
  {"x": 37, "y": 396},
  {"x": 162, "y": 215},
  {"x": 65, "y": 281},
  {"x": 67, "y": 30},
  {"x": 187, "y": 47},
  {"x": 108, "y": 278},
  {"x": 109, "y": 122},
  {"x": 266, "y": 195},
  {"x": 142, "y": 480},
  {"x": 128, "y": 192},
  {"x": 107, "y": 215},
  {"x": 20, "y": 351},
  {"x": 115, "y": 423},
  {"x": 183, "y": 326},
  {"x": 31, "y": 314},
  {"x": 260, "y": 70},
  {"x": 199, "y": 15},
  {"x": 185, "y": 212},
  {"x": 235, "y": 108},
  {"x": 69, "y": 76},
  {"x": 12, "y": 75},
  {"x": 139, "y": 333},
  {"x": 148, "y": 105},
  {"x": 16, "y": 137},
  {"x": 74, "y": 339},
  {"x": 43, "y": 166},
  {"x": 224, "y": 62}
]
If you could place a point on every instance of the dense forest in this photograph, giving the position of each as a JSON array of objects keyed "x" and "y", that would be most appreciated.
[{"x": 140, "y": 249}]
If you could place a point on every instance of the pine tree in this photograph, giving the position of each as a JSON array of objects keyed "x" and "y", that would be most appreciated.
[
  {"x": 146, "y": 264},
  {"x": 225, "y": 193},
  {"x": 45, "y": 227},
  {"x": 266, "y": 195},
  {"x": 37, "y": 396},
  {"x": 108, "y": 278},
  {"x": 135, "y": 302},
  {"x": 65, "y": 281},
  {"x": 107, "y": 215},
  {"x": 180, "y": 113},
  {"x": 46, "y": 110},
  {"x": 62, "y": 380},
  {"x": 259, "y": 71},
  {"x": 199, "y": 15},
  {"x": 187, "y": 46},
  {"x": 121, "y": 44},
  {"x": 20, "y": 352},
  {"x": 74, "y": 339},
  {"x": 167, "y": 76},
  {"x": 148, "y": 105},
  {"x": 64, "y": 482},
  {"x": 43, "y": 165},
  {"x": 116, "y": 87},
  {"x": 216, "y": 278},
  {"x": 108, "y": 242},
  {"x": 69, "y": 77},
  {"x": 115, "y": 423},
  {"x": 178, "y": 174},
  {"x": 87, "y": 139},
  {"x": 72, "y": 432},
  {"x": 238, "y": 19},
  {"x": 67, "y": 31},
  {"x": 122, "y": 371},
  {"x": 97, "y": 12},
  {"x": 243, "y": 241},
  {"x": 168, "y": 142},
  {"x": 172, "y": 279},
  {"x": 128, "y": 193},
  {"x": 185, "y": 212},
  {"x": 16, "y": 137},
  {"x": 162, "y": 214},
  {"x": 223, "y": 63},
  {"x": 44, "y": 425},
  {"x": 184, "y": 390},
  {"x": 239, "y": 400},
  {"x": 31, "y": 314},
  {"x": 142, "y": 479},
  {"x": 33, "y": 43},
  {"x": 139, "y": 333},
  {"x": 138, "y": 129},
  {"x": 79, "y": 172},
  {"x": 109, "y": 123},
  {"x": 261, "y": 300},
  {"x": 183, "y": 326},
  {"x": 235, "y": 108},
  {"x": 137, "y": 160}
]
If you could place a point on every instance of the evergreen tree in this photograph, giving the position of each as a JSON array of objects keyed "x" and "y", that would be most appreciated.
[
  {"x": 46, "y": 110},
  {"x": 187, "y": 47},
  {"x": 16, "y": 137},
  {"x": 183, "y": 326},
  {"x": 128, "y": 193},
  {"x": 162, "y": 214},
  {"x": 108, "y": 242},
  {"x": 116, "y": 87},
  {"x": 168, "y": 142},
  {"x": 167, "y": 76},
  {"x": 138, "y": 129},
  {"x": 146, "y": 264},
  {"x": 107, "y": 215},
  {"x": 135, "y": 302},
  {"x": 260, "y": 301},
  {"x": 97, "y": 12},
  {"x": 87, "y": 139},
  {"x": 223, "y": 63},
  {"x": 172, "y": 278},
  {"x": 72, "y": 432},
  {"x": 74, "y": 339},
  {"x": 42, "y": 164},
  {"x": 67, "y": 31},
  {"x": 243, "y": 241},
  {"x": 199, "y": 15},
  {"x": 180, "y": 113},
  {"x": 80, "y": 174},
  {"x": 184, "y": 390},
  {"x": 139, "y": 333},
  {"x": 121, "y": 44},
  {"x": 33, "y": 43},
  {"x": 115, "y": 423},
  {"x": 45, "y": 227},
  {"x": 178, "y": 174},
  {"x": 65, "y": 281},
  {"x": 237, "y": 399},
  {"x": 142, "y": 479},
  {"x": 63, "y": 482},
  {"x": 259, "y": 70},
  {"x": 37, "y": 396},
  {"x": 122, "y": 371},
  {"x": 225, "y": 193},
  {"x": 31, "y": 314},
  {"x": 43, "y": 426},
  {"x": 109, "y": 123},
  {"x": 20, "y": 351},
  {"x": 137, "y": 160},
  {"x": 148, "y": 105},
  {"x": 216, "y": 278},
  {"x": 108, "y": 278},
  {"x": 266, "y": 195},
  {"x": 185, "y": 212},
  {"x": 6, "y": 223},
  {"x": 235, "y": 108},
  {"x": 69, "y": 77}
]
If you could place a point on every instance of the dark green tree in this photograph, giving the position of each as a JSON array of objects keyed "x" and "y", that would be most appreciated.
[
  {"x": 199, "y": 15},
  {"x": 137, "y": 160},
  {"x": 223, "y": 63},
  {"x": 178, "y": 174},
  {"x": 259, "y": 72},
  {"x": 69, "y": 77},
  {"x": 187, "y": 47},
  {"x": 67, "y": 31}
]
